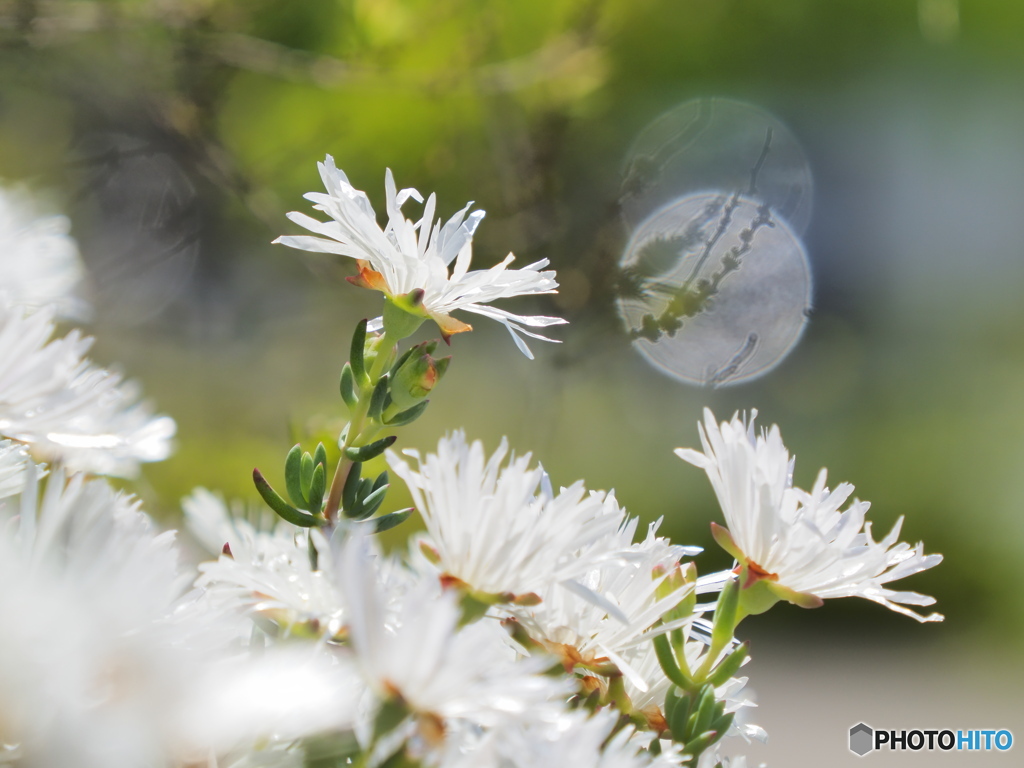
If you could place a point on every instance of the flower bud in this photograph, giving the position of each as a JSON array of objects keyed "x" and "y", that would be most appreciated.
[{"x": 418, "y": 374}]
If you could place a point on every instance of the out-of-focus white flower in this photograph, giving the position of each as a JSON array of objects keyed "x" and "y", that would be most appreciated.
[
  {"x": 39, "y": 263},
  {"x": 267, "y": 572},
  {"x": 411, "y": 650},
  {"x": 105, "y": 664},
  {"x": 68, "y": 410},
  {"x": 799, "y": 544},
  {"x": 712, "y": 758},
  {"x": 14, "y": 461},
  {"x": 283, "y": 694},
  {"x": 571, "y": 739},
  {"x": 85, "y": 588},
  {"x": 406, "y": 257},
  {"x": 499, "y": 528},
  {"x": 605, "y": 615}
]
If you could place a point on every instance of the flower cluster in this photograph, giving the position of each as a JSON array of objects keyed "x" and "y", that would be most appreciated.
[{"x": 524, "y": 625}]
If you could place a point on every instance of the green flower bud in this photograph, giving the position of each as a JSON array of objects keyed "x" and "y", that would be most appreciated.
[{"x": 418, "y": 374}]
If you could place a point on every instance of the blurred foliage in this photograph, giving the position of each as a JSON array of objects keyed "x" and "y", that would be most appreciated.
[{"x": 177, "y": 133}]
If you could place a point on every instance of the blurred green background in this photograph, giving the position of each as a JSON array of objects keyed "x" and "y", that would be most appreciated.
[{"x": 177, "y": 133}]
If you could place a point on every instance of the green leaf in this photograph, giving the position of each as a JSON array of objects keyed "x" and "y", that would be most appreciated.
[
  {"x": 371, "y": 451},
  {"x": 314, "y": 556},
  {"x": 677, "y": 722},
  {"x": 730, "y": 665},
  {"x": 401, "y": 359},
  {"x": 350, "y": 490},
  {"x": 347, "y": 385},
  {"x": 371, "y": 503},
  {"x": 669, "y": 664},
  {"x": 356, "y": 353},
  {"x": 725, "y": 615},
  {"x": 407, "y": 416},
  {"x": 306, "y": 474},
  {"x": 671, "y": 702},
  {"x": 724, "y": 723},
  {"x": 697, "y": 745},
  {"x": 291, "y": 475},
  {"x": 320, "y": 455},
  {"x": 280, "y": 506},
  {"x": 386, "y": 522},
  {"x": 380, "y": 392},
  {"x": 317, "y": 488},
  {"x": 701, "y": 720}
]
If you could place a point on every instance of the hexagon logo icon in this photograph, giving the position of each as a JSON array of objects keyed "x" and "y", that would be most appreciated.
[{"x": 862, "y": 739}]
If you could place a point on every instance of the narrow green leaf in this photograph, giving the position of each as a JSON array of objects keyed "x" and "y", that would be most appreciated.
[
  {"x": 314, "y": 556},
  {"x": 351, "y": 486},
  {"x": 386, "y": 522},
  {"x": 402, "y": 358},
  {"x": 306, "y": 473},
  {"x": 407, "y": 416},
  {"x": 697, "y": 745},
  {"x": 719, "y": 711},
  {"x": 280, "y": 506},
  {"x": 320, "y": 455},
  {"x": 372, "y": 502},
  {"x": 354, "y": 508},
  {"x": 671, "y": 702},
  {"x": 380, "y": 392},
  {"x": 725, "y": 615},
  {"x": 358, "y": 510},
  {"x": 371, "y": 451},
  {"x": 317, "y": 488},
  {"x": 724, "y": 723},
  {"x": 382, "y": 480},
  {"x": 291, "y": 475},
  {"x": 730, "y": 665},
  {"x": 705, "y": 711},
  {"x": 347, "y": 385},
  {"x": 669, "y": 665},
  {"x": 356, "y": 353},
  {"x": 680, "y": 717}
]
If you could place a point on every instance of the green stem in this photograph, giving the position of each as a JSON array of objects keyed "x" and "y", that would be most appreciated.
[{"x": 355, "y": 426}]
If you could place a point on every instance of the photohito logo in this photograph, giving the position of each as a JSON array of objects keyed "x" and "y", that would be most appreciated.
[{"x": 865, "y": 739}]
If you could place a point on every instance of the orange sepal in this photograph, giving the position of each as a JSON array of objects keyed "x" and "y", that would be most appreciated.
[
  {"x": 450, "y": 326},
  {"x": 368, "y": 278}
]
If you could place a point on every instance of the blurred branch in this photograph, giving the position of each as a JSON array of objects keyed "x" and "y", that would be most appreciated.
[{"x": 44, "y": 24}]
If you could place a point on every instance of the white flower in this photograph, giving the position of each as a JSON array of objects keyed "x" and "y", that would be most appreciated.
[
  {"x": 498, "y": 527},
  {"x": 285, "y": 693},
  {"x": 606, "y": 614},
  {"x": 68, "y": 410},
  {"x": 85, "y": 588},
  {"x": 411, "y": 649},
  {"x": 406, "y": 257},
  {"x": 14, "y": 461},
  {"x": 575, "y": 738},
  {"x": 103, "y": 661},
  {"x": 266, "y": 572},
  {"x": 39, "y": 263},
  {"x": 799, "y": 544}
]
